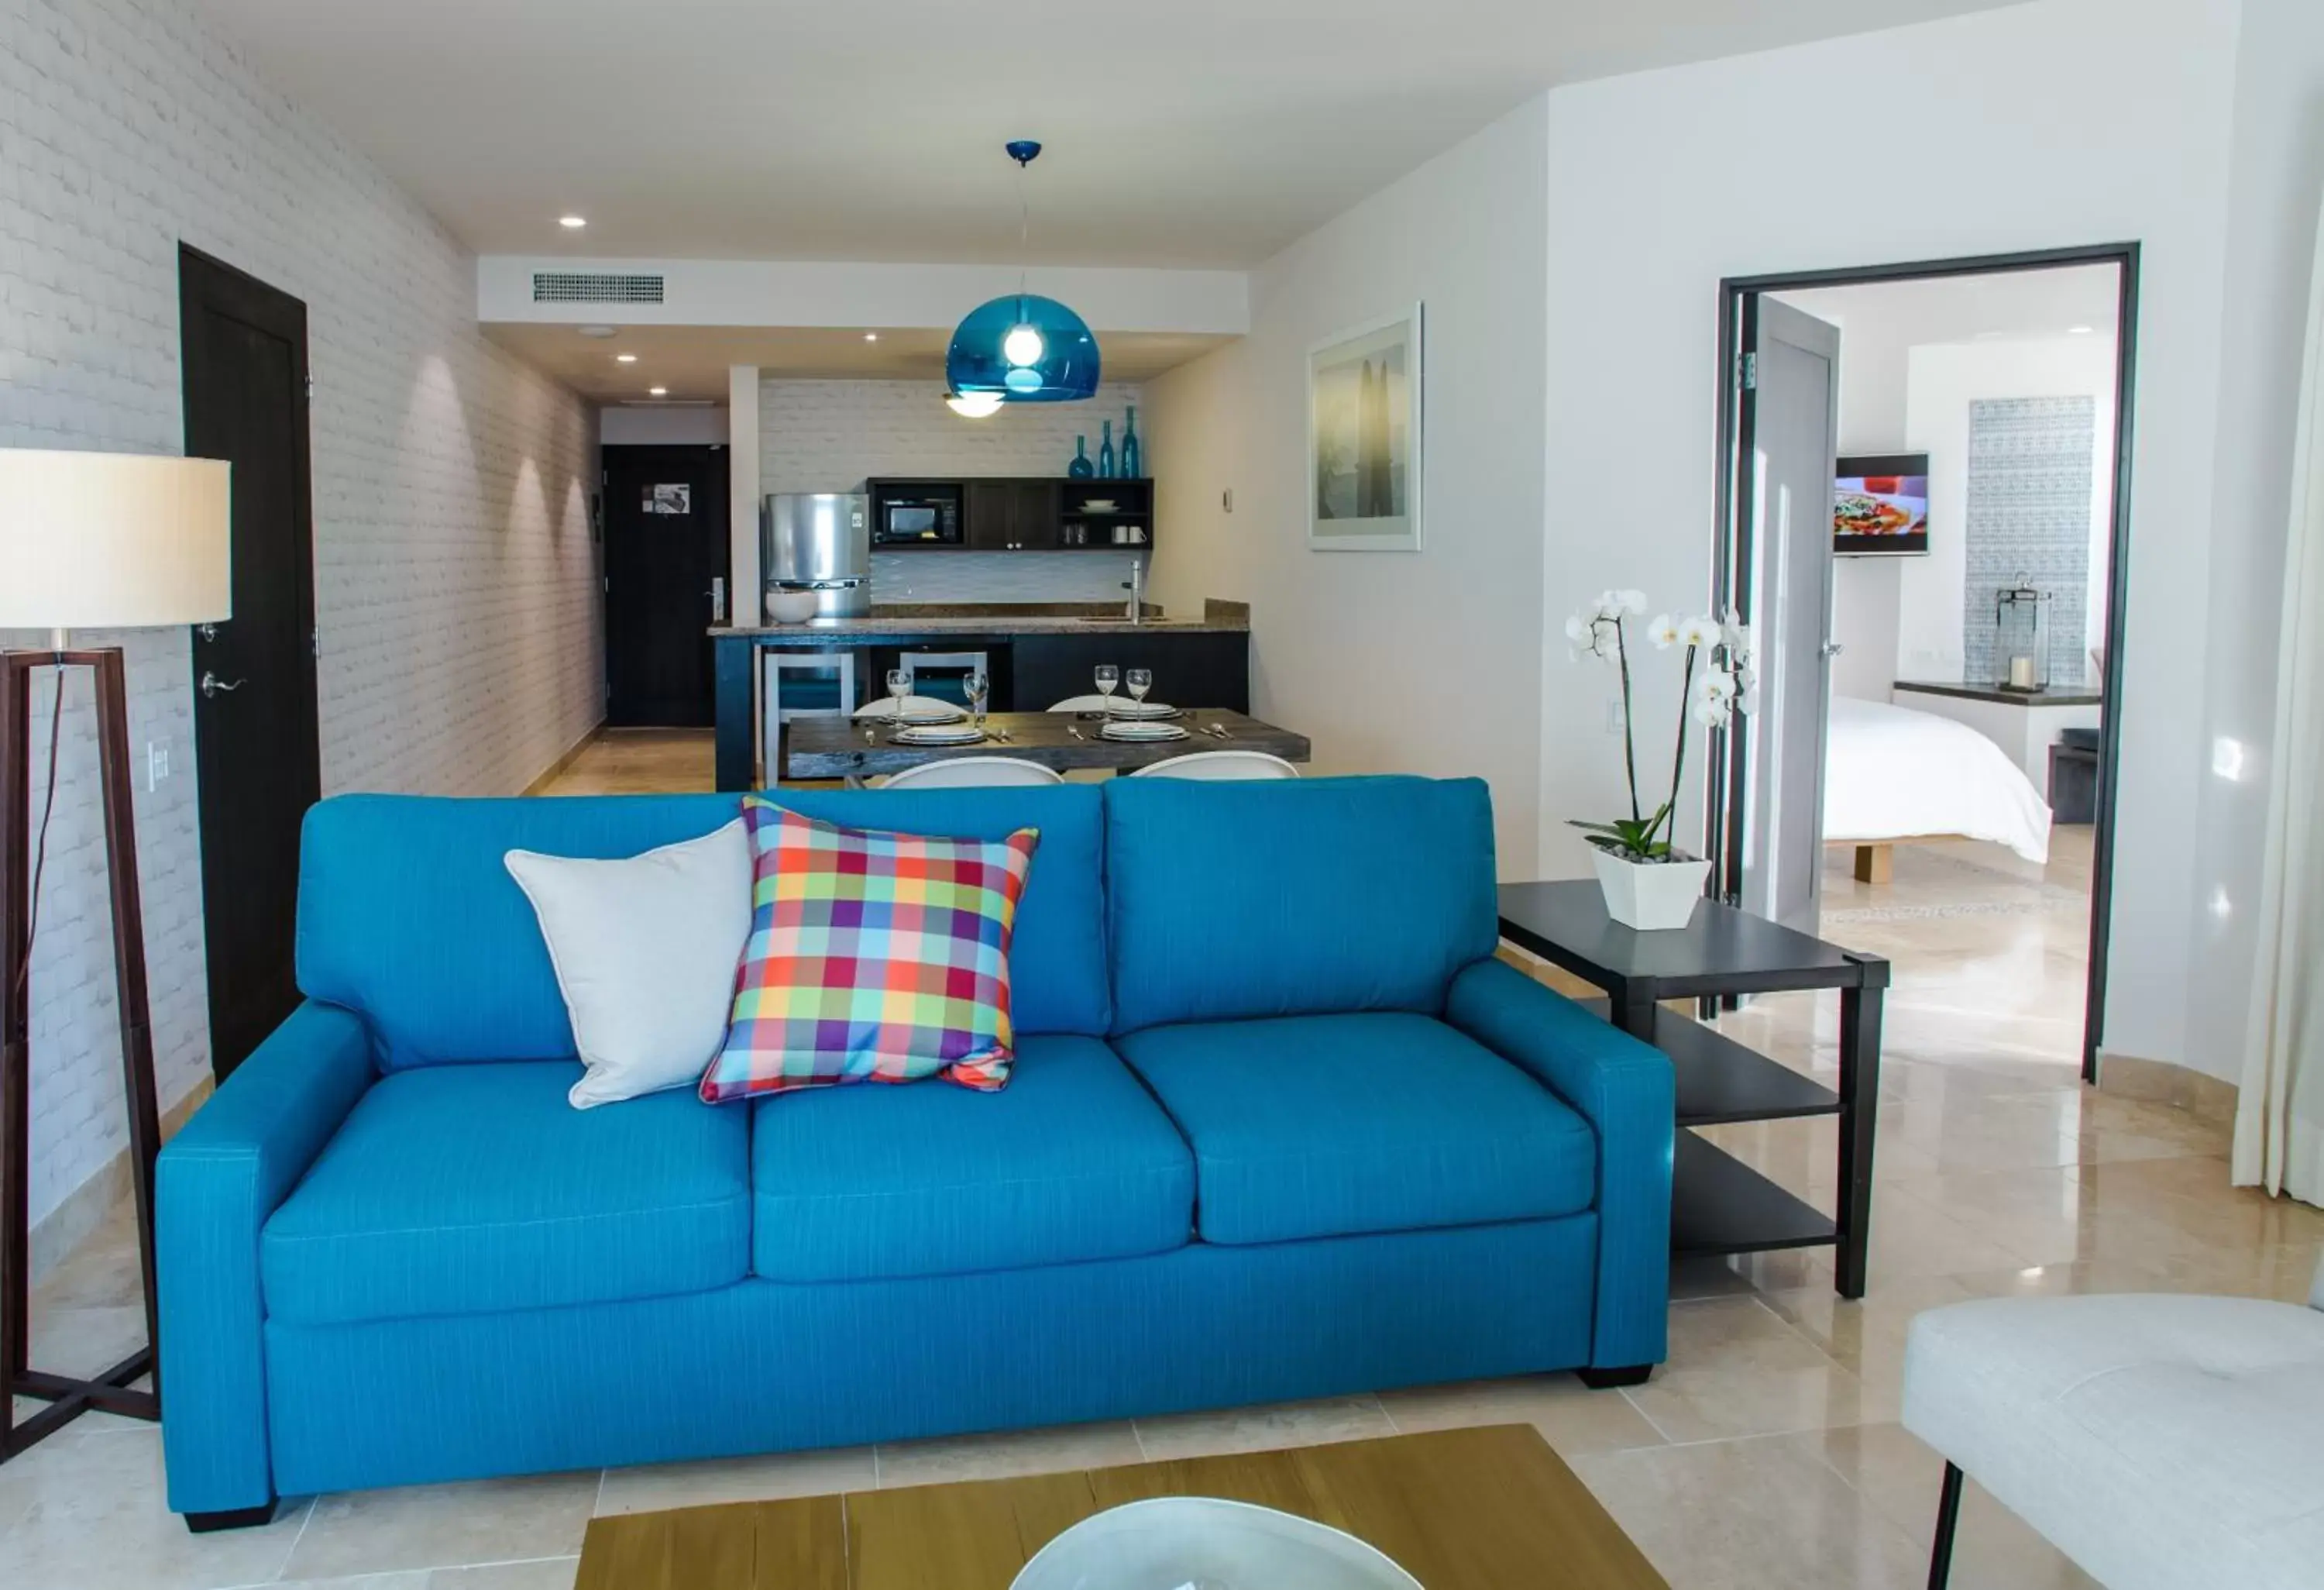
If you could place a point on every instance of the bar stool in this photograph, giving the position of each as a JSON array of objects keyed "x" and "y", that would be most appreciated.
[{"x": 821, "y": 684}]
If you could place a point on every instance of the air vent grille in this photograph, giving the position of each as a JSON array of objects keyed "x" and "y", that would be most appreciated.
[{"x": 595, "y": 287}]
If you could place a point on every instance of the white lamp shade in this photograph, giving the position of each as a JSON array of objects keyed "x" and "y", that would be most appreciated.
[{"x": 112, "y": 540}]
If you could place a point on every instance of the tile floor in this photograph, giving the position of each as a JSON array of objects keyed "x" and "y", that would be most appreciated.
[{"x": 1763, "y": 1454}]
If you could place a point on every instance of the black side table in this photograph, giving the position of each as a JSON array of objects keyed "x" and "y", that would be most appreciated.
[{"x": 1718, "y": 1205}]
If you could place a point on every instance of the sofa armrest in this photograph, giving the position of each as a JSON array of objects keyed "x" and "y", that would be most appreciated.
[
  {"x": 216, "y": 1183},
  {"x": 1624, "y": 1089}
]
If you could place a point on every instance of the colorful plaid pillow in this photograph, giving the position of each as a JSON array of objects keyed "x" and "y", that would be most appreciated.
[{"x": 872, "y": 958}]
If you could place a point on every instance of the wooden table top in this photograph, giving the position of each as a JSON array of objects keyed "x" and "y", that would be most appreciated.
[
  {"x": 1485, "y": 1509},
  {"x": 836, "y": 748}
]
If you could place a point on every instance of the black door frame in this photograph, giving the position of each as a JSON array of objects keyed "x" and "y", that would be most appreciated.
[
  {"x": 266, "y": 305},
  {"x": 1738, "y": 312}
]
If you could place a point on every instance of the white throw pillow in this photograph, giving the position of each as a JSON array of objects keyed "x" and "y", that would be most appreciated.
[{"x": 645, "y": 951}]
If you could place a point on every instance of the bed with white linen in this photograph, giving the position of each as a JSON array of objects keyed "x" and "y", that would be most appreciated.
[{"x": 1893, "y": 775}]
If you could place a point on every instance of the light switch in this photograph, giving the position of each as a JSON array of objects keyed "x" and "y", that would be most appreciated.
[{"x": 157, "y": 763}]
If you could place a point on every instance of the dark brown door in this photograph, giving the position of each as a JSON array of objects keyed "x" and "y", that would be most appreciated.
[
  {"x": 243, "y": 353},
  {"x": 666, "y": 546}
]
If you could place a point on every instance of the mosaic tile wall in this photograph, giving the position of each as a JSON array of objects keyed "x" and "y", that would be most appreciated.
[{"x": 2030, "y": 467}]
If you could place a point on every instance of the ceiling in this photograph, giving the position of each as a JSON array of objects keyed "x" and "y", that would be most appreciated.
[
  {"x": 1181, "y": 133},
  {"x": 1968, "y": 309},
  {"x": 691, "y": 361}
]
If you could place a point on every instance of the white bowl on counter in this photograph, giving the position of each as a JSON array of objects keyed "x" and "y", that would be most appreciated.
[{"x": 792, "y": 607}]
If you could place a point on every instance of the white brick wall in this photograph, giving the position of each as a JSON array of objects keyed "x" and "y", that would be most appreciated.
[
  {"x": 831, "y": 436},
  {"x": 456, "y": 579}
]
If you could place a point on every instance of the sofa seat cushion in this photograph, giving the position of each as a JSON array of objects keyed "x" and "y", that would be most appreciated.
[
  {"x": 1071, "y": 1162},
  {"x": 1308, "y": 1126},
  {"x": 467, "y": 1189}
]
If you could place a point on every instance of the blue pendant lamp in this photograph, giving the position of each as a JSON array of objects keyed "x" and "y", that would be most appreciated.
[{"x": 1023, "y": 348}]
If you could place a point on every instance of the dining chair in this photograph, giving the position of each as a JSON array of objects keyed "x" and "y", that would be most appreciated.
[
  {"x": 962, "y": 773},
  {"x": 1220, "y": 764},
  {"x": 1083, "y": 704}
]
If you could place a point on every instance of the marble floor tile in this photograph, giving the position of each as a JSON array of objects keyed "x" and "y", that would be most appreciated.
[
  {"x": 1570, "y": 1416},
  {"x": 736, "y": 1479},
  {"x": 1765, "y": 1513},
  {"x": 93, "y": 1519},
  {"x": 553, "y": 1573},
  {"x": 1264, "y": 1428},
  {"x": 1007, "y": 1454},
  {"x": 1899, "y": 1477},
  {"x": 1736, "y": 1368},
  {"x": 446, "y": 1526}
]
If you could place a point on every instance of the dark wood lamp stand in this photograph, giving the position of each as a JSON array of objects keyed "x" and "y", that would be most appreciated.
[{"x": 68, "y": 1397}]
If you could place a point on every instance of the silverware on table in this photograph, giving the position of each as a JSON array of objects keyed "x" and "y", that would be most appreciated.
[
  {"x": 999, "y": 733},
  {"x": 1074, "y": 732},
  {"x": 1217, "y": 731}
]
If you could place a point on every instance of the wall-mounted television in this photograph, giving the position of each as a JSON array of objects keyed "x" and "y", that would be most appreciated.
[{"x": 1881, "y": 507}]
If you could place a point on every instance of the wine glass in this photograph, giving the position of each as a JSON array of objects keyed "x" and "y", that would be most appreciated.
[
  {"x": 976, "y": 687},
  {"x": 1108, "y": 676},
  {"x": 1139, "y": 681},
  {"x": 900, "y": 686}
]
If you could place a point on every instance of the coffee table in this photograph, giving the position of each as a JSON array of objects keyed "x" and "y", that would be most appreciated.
[{"x": 1486, "y": 1509}]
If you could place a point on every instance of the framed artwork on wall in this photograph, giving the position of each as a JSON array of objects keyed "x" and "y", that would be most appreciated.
[{"x": 1365, "y": 437}]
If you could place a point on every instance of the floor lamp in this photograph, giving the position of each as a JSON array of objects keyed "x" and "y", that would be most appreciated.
[{"x": 92, "y": 541}]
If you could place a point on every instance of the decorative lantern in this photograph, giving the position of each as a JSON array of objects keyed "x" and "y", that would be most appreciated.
[{"x": 2020, "y": 638}]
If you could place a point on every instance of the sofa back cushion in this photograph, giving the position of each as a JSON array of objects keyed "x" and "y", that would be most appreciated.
[
  {"x": 1282, "y": 898},
  {"x": 407, "y": 914}
]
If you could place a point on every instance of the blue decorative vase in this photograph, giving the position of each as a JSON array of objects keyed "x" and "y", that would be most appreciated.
[
  {"x": 1133, "y": 467},
  {"x": 1105, "y": 453},
  {"x": 1080, "y": 469}
]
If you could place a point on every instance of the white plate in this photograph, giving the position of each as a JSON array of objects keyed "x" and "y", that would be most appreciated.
[
  {"x": 917, "y": 709},
  {"x": 1142, "y": 709},
  {"x": 1099, "y": 505},
  {"x": 1171, "y": 1542},
  {"x": 1140, "y": 734},
  {"x": 939, "y": 734}
]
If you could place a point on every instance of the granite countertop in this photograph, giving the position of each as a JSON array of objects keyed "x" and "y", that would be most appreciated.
[
  {"x": 2074, "y": 694},
  {"x": 1054, "y": 618}
]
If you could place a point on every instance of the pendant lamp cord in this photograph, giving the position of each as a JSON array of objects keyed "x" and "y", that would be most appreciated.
[
  {"x": 1024, "y": 231},
  {"x": 22, "y": 971}
]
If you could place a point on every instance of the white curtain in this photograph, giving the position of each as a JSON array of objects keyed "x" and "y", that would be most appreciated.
[{"x": 2280, "y": 1114}]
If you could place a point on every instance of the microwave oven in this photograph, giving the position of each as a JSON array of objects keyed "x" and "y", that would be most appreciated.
[{"x": 917, "y": 516}]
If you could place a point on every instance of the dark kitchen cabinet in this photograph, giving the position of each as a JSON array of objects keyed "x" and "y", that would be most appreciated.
[
  {"x": 1191, "y": 668},
  {"x": 1013, "y": 515}
]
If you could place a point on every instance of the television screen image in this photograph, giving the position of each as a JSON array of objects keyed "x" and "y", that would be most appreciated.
[{"x": 1880, "y": 505}]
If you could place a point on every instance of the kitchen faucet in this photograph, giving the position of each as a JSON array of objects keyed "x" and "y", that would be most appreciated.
[{"x": 1136, "y": 585}]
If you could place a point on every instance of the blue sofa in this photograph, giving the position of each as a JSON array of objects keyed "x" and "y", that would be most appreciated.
[{"x": 1280, "y": 1126}]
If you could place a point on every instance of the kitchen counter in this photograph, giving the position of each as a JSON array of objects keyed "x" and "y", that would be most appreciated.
[
  {"x": 931, "y": 620},
  {"x": 1040, "y": 653}
]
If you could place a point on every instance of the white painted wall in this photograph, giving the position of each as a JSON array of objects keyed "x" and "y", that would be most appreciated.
[
  {"x": 2271, "y": 244},
  {"x": 1942, "y": 382},
  {"x": 634, "y": 425},
  {"x": 1663, "y": 184},
  {"x": 455, "y": 580},
  {"x": 832, "y": 436},
  {"x": 1426, "y": 661}
]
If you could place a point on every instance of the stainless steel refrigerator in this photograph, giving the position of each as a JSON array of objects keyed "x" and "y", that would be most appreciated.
[{"x": 819, "y": 542}]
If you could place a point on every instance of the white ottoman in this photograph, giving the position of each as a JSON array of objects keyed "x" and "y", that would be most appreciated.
[{"x": 2163, "y": 1443}]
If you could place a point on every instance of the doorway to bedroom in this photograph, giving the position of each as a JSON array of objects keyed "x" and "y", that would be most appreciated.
[{"x": 1924, "y": 502}]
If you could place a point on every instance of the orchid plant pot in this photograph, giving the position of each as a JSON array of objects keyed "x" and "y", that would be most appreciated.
[
  {"x": 1650, "y": 896},
  {"x": 1650, "y": 885}
]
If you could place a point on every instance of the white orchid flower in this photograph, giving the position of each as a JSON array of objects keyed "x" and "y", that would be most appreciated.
[
  {"x": 1634, "y": 602},
  {"x": 1590, "y": 636},
  {"x": 1713, "y": 696},
  {"x": 1699, "y": 633},
  {"x": 1711, "y": 714},
  {"x": 1737, "y": 636},
  {"x": 1664, "y": 631}
]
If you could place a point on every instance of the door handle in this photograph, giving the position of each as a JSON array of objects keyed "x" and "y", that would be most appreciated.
[
  {"x": 212, "y": 685},
  {"x": 717, "y": 598},
  {"x": 1831, "y": 649}
]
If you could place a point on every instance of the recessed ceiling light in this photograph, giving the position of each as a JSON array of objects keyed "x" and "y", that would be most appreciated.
[
  {"x": 1987, "y": 335},
  {"x": 2080, "y": 330},
  {"x": 573, "y": 223},
  {"x": 598, "y": 330},
  {"x": 870, "y": 337},
  {"x": 657, "y": 391},
  {"x": 625, "y": 358}
]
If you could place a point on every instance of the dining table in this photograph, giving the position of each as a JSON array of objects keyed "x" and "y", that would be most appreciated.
[{"x": 856, "y": 749}]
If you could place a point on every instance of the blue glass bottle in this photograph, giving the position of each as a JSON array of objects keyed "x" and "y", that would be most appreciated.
[
  {"x": 1132, "y": 466},
  {"x": 1080, "y": 469},
  {"x": 1105, "y": 453}
]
